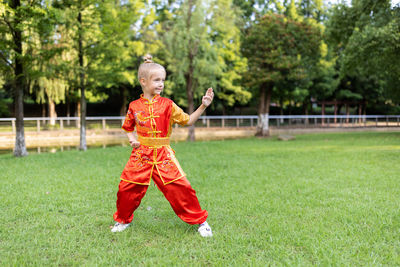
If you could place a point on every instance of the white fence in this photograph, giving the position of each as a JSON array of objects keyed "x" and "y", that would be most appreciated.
[{"x": 293, "y": 121}]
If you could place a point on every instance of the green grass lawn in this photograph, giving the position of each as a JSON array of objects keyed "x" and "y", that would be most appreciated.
[{"x": 322, "y": 199}]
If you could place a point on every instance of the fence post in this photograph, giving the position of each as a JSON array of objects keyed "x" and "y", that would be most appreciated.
[
  {"x": 397, "y": 121},
  {"x": 251, "y": 122},
  {"x": 387, "y": 121},
  {"x": 103, "y": 122},
  {"x": 223, "y": 123},
  {"x": 376, "y": 121},
  {"x": 208, "y": 123},
  {"x": 38, "y": 125},
  {"x": 237, "y": 123},
  {"x": 13, "y": 126},
  {"x": 61, "y": 124}
]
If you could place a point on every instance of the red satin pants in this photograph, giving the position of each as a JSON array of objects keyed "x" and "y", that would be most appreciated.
[{"x": 180, "y": 195}]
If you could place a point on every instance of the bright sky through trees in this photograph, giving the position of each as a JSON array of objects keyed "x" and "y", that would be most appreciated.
[{"x": 394, "y": 2}]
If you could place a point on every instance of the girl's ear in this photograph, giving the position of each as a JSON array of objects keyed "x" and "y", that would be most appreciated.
[{"x": 142, "y": 81}]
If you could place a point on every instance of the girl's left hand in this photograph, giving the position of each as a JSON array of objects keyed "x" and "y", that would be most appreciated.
[{"x": 208, "y": 97}]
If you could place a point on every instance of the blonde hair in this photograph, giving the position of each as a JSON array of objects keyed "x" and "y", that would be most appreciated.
[{"x": 147, "y": 67}]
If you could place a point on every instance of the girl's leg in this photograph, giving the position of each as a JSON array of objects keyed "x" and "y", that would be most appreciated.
[
  {"x": 183, "y": 200},
  {"x": 129, "y": 197}
]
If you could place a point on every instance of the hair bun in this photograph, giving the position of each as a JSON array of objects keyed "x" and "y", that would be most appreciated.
[{"x": 147, "y": 58}]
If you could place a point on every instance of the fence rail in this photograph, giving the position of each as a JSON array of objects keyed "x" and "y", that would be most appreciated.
[{"x": 289, "y": 121}]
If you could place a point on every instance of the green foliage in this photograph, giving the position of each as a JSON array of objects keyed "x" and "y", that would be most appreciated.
[
  {"x": 365, "y": 38},
  {"x": 374, "y": 50},
  {"x": 233, "y": 65},
  {"x": 4, "y": 112},
  {"x": 280, "y": 50},
  {"x": 312, "y": 9},
  {"x": 35, "y": 21},
  {"x": 203, "y": 46},
  {"x": 189, "y": 52},
  {"x": 354, "y": 55}
]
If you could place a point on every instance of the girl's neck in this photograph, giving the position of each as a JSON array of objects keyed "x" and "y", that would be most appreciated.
[{"x": 148, "y": 96}]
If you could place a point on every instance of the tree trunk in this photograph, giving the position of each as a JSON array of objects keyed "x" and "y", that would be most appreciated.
[
  {"x": 68, "y": 109},
  {"x": 82, "y": 144},
  {"x": 43, "y": 122},
  {"x": 52, "y": 112},
  {"x": 261, "y": 108},
  {"x": 20, "y": 147},
  {"x": 265, "y": 100},
  {"x": 364, "y": 111},
  {"x": 305, "y": 107},
  {"x": 335, "y": 112},
  {"x": 78, "y": 114},
  {"x": 281, "y": 109},
  {"x": 124, "y": 100},
  {"x": 43, "y": 110},
  {"x": 189, "y": 75},
  {"x": 189, "y": 93}
]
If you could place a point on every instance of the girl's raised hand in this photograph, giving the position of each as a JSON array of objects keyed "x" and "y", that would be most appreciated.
[{"x": 208, "y": 97}]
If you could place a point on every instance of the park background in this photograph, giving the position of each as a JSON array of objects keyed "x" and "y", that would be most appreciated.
[{"x": 329, "y": 199}]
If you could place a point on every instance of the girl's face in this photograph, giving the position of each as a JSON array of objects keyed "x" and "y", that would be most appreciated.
[{"x": 154, "y": 85}]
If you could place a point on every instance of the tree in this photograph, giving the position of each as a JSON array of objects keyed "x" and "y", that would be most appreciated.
[
  {"x": 374, "y": 50},
  {"x": 226, "y": 37},
  {"x": 364, "y": 40},
  {"x": 98, "y": 38},
  {"x": 278, "y": 49},
  {"x": 203, "y": 50},
  {"x": 122, "y": 46},
  {"x": 18, "y": 21},
  {"x": 49, "y": 86}
]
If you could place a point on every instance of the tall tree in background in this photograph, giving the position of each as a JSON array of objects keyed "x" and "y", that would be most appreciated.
[
  {"x": 373, "y": 49},
  {"x": 122, "y": 45},
  {"x": 49, "y": 86},
  {"x": 352, "y": 31},
  {"x": 278, "y": 49},
  {"x": 97, "y": 36},
  {"x": 81, "y": 37},
  {"x": 192, "y": 59},
  {"x": 18, "y": 21},
  {"x": 225, "y": 35},
  {"x": 321, "y": 80},
  {"x": 203, "y": 50}
]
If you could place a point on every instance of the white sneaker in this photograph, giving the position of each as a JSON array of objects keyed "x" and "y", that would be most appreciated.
[
  {"x": 119, "y": 227},
  {"x": 205, "y": 230}
]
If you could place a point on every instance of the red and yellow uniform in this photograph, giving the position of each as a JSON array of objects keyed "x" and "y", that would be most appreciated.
[{"x": 155, "y": 160}]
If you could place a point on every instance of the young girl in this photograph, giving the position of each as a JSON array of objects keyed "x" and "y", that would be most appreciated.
[{"x": 152, "y": 156}]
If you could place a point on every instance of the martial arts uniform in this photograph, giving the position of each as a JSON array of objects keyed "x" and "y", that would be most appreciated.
[{"x": 155, "y": 160}]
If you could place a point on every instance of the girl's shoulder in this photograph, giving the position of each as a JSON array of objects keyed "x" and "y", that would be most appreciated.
[{"x": 165, "y": 100}]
